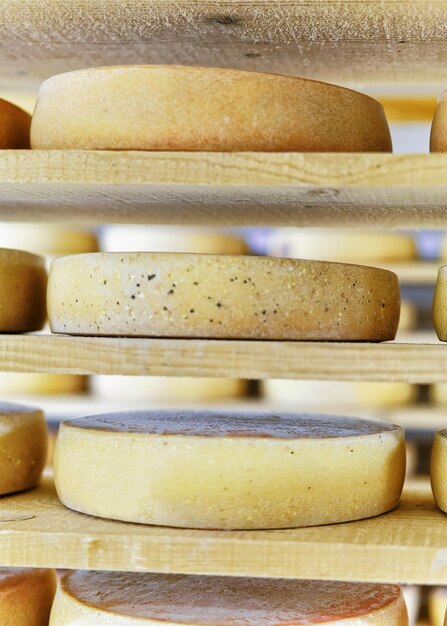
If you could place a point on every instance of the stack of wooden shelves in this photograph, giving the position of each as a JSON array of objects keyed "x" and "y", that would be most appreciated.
[{"x": 356, "y": 42}]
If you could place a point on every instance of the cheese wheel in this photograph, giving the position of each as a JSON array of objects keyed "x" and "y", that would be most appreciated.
[
  {"x": 26, "y": 596},
  {"x": 437, "y": 605},
  {"x": 342, "y": 245},
  {"x": 438, "y": 470},
  {"x": 23, "y": 279},
  {"x": 193, "y": 295},
  {"x": 23, "y": 447},
  {"x": 310, "y": 394},
  {"x": 214, "y": 469},
  {"x": 14, "y": 127},
  {"x": 408, "y": 316},
  {"x": 438, "y": 393},
  {"x": 47, "y": 239},
  {"x": 14, "y": 383},
  {"x": 148, "y": 107},
  {"x": 122, "y": 599},
  {"x": 438, "y": 135},
  {"x": 440, "y": 304},
  {"x": 168, "y": 389},
  {"x": 132, "y": 238}
]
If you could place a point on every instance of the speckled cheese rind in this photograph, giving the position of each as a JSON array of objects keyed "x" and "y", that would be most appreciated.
[
  {"x": 342, "y": 245},
  {"x": 215, "y": 469},
  {"x": 193, "y": 295},
  {"x": 440, "y": 304},
  {"x": 438, "y": 135},
  {"x": 319, "y": 393},
  {"x": 121, "y": 599},
  {"x": 438, "y": 470},
  {"x": 168, "y": 389},
  {"x": 23, "y": 281},
  {"x": 47, "y": 239},
  {"x": 138, "y": 238},
  {"x": 196, "y": 108},
  {"x": 23, "y": 447},
  {"x": 26, "y": 596},
  {"x": 14, "y": 127},
  {"x": 437, "y": 605}
]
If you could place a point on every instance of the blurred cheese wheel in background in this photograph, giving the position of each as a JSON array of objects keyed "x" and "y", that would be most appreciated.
[
  {"x": 47, "y": 239},
  {"x": 127, "y": 599},
  {"x": 131, "y": 238},
  {"x": 15, "y": 126},
  {"x": 12, "y": 384},
  {"x": 168, "y": 389},
  {"x": 437, "y": 605},
  {"x": 438, "y": 393},
  {"x": 26, "y": 596},
  {"x": 412, "y": 596},
  {"x": 408, "y": 316}
]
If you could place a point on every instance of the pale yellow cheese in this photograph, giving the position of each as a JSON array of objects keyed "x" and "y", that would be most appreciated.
[
  {"x": 138, "y": 238},
  {"x": 440, "y": 304},
  {"x": 168, "y": 389},
  {"x": 438, "y": 135},
  {"x": 26, "y": 596},
  {"x": 195, "y": 108},
  {"x": 129, "y": 599},
  {"x": 437, "y": 605},
  {"x": 408, "y": 316},
  {"x": 23, "y": 447},
  {"x": 200, "y": 295},
  {"x": 47, "y": 239},
  {"x": 14, "y": 127},
  {"x": 14, "y": 383},
  {"x": 438, "y": 469},
  {"x": 219, "y": 469},
  {"x": 23, "y": 281},
  {"x": 346, "y": 246}
]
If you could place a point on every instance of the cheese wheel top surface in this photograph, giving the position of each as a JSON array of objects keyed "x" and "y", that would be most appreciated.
[
  {"x": 203, "y": 423},
  {"x": 222, "y": 296},
  {"x": 199, "y": 600},
  {"x": 196, "y": 108},
  {"x": 14, "y": 127}
]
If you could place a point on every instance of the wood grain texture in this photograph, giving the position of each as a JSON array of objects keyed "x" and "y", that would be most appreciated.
[
  {"x": 406, "y": 545},
  {"x": 358, "y": 40},
  {"x": 275, "y": 189},
  {"x": 408, "y": 362}
]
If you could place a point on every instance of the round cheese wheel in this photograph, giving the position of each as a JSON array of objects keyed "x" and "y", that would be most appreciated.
[
  {"x": 23, "y": 279},
  {"x": 26, "y": 596},
  {"x": 342, "y": 245},
  {"x": 23, "y": 447},
  {"x": 168, "y": 389},
  {"x": 310, "y": 394},
  {"x": 14, "y": 127},
  {"x": 193, "y": 295},
  {"x": 438, "y": 469},
  {"x": 47, "y": 239},
  {"x": 201, "y": 108},
  {"x": 214, "y": 469},
  {"x": 440, "y": 304},
  {"x": 437, "y": 605},
  {"x": 438, "y": 136},
  {"x": 14, "y": 383},
  {"x": 121, "y": 599},
  {"x": 137, "y": 238}
]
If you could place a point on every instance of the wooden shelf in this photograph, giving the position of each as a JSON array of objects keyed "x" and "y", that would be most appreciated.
[
  {"x": 411, "y": 362},
  {"x": 374, "y": 41},
  {"x": 406, "y": 545},
  {"x": 276, "y": 189}
]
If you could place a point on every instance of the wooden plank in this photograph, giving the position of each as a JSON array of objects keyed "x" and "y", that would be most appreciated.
[
  {"x": 410, "y": 362},
  {"x": 276, "y": 189},
  {"x": 359, "y": 40},
  {"x": 406, "y": 545}
]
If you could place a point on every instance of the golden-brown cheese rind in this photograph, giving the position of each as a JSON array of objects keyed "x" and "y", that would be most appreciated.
[
  {"x": 23, "y": 280},
  {"x": 18, "y": 383},
  {"x": 26, "y": 596},
  {"x": 197, "y": 108},
  {"x": 438, "y": 469},
  {"x": 440, "y": 304},
  {"x": 229, "y": 470},
  {"x": 15, "y": 127},
  {"x": 112, "y": 598},
  {"x": 23, "y": 447},
  {"x": 193, "y": 295},
  {"x": 438, "y": 135}
]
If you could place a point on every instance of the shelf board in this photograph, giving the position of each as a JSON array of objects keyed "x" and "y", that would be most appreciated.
[
  {"x": 406, "y": 545},
  {"x": 374, "y": 41},
  {"x": 225, "y": 189},
  {"x": 410, "y": 362}
]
